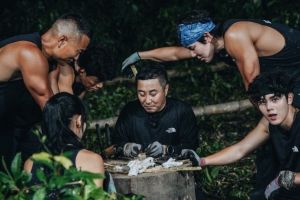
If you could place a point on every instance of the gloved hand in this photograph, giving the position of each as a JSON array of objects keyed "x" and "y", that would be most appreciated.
[
  {"x": 132, "y": 149},
  {"x": 192, "y": 155},
  {"x": 285, "y": 179},
  {"x": 126, "y": 70},
  {"x": 154, "y": 150}
]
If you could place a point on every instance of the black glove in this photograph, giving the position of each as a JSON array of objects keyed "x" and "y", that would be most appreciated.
[
  {"x": 285, "y": 179},
  {"x": 132, "y": 149},
  {"x": 126, "y": 70},
  {"x": 154, "y": 150},
  {"x": 192, "y": 155}
]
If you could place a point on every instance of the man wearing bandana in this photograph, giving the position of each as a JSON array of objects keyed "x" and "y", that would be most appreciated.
[
  {"x": 272, "y": 93},
  {"x": 254, "y": 46}
]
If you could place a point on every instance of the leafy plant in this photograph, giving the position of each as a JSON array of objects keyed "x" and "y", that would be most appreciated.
[{"x": 71, "y": 184}]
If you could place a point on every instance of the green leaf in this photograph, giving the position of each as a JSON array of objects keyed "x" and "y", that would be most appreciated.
[
  {"x": 43, "y": 158},
  {"x": 83, "y": 175},
  {"x": 215, "y": 171},
  {"x": 58, "y": 181},
  {"x": 67, "y": 163},
  {"x": 4, "y": 178},
  {"x": 16, "y": 165},
  {"x": 95, "y": 193},
  {"x": 41, "y": 175},
  {"x": 39, "y": 194}
]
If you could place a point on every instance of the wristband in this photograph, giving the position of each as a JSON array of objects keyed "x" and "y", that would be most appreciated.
[
  {"x": 170, "y": 150},
  {"x": 203, "y": 162}
]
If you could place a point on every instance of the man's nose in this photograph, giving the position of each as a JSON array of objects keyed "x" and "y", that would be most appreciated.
[
  {"x": 148, "y": 99},
  {"x": 269, "y": 106},
  {"x": 193, "y": 53}
]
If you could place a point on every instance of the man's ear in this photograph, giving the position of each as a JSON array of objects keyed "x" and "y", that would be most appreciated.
[
  {"x": 290, "y": 98},
  {"x": 62, "y": 40},
  {"x": 208, "y": 37},
  {"x": 166, "y": 89},
  {"x": 78, "y": 121}
]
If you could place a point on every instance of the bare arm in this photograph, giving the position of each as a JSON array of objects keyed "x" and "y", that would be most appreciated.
[
  {"x": 240, "y": 46},
  {"x": 34, "y": 68},
  {"x": 66, "y": 78},
  {"x": 91, "y": 162},
  {"x": 297, "y": 179},
  {"x": 166, "y": 54},
  {"x": 53, "y": 79},
  {"x": 252, "y": 141}
]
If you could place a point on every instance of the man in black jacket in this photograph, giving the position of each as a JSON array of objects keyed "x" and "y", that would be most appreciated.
[{"x": 155, "y": 124}]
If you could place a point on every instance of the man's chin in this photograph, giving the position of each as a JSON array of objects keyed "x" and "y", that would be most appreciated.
[{"x": 149, "y": 110}]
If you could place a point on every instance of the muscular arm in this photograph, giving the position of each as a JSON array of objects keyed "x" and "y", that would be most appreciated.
[
  {"x": 166, "y": 54},
  {"x": 34, "y": 68},
  {"x": 239, "y": 44},
  {"x": 53, "y": 79},
  {"x": 252, "y": 141},
  {"x": 66, "y": 78}
]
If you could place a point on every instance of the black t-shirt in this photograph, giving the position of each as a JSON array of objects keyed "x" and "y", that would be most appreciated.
[
  {"x": 287, "y": 148},
  {"x": 174, "y": 125}
]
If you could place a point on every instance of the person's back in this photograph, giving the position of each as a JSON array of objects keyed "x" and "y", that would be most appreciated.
[{"x": 64, "y": 131}]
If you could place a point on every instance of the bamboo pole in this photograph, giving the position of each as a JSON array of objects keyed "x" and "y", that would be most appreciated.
[
  {"x": 171, "y": 74},
  {"x": 199, "y": 111}
]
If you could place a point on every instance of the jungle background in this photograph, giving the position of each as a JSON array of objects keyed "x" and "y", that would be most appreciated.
[{"x": 127, "y": 26}]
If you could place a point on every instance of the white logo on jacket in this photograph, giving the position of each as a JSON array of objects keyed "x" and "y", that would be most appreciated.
[
  {"x": 171, "y": 130},
  {"x": 295, "y": 149}
]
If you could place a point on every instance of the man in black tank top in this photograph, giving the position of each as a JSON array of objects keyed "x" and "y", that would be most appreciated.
[
  {"x": 272, "y": 93},
  {"x": 253, "y": 46},
  {"x": 24, "y": 85}
]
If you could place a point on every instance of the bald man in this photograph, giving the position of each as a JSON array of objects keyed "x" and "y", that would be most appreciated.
[{"x": 24, "y": 85}]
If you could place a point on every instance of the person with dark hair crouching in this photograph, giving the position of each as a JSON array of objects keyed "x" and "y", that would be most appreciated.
[
  {"x": 64, "y": 124},
  {"x": 272, "y": 93}
]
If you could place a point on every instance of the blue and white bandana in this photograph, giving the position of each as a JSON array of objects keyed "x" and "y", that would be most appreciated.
[{"x": 190, "y": 33}]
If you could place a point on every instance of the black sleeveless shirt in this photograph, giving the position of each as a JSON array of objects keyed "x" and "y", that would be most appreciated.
[{"x": 287, "y": 59}]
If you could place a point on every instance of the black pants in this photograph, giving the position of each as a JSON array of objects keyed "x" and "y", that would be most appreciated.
[{"x": 267, "y": 170}]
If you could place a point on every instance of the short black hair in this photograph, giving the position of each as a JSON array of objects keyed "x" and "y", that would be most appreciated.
[
  {"x": 201, "y": 16},
  {"x": 99, "y": 61},
  {"x": 278, "y": 83},
  {"x": 153, "y": 72},
  {"x": 82, "y": 25}
]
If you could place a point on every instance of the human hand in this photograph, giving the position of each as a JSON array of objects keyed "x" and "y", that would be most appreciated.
[
  {"x": 132, "y": 149},
  {"x": 192, "y": 155},
  {"x": 126, "y": 70},
  {"x": 285, "y": 179},
  {"x": 154, "y": 150},
  {"x": 272, "y": 189}
]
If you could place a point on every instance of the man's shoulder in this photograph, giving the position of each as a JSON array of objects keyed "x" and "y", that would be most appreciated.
[
  {"x": 177, "y": 102},
  {"x": 179, "y": 105},
  {"x": 34, "y": 38}
]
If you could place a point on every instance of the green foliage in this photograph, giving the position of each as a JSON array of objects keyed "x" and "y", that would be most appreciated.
[
  {"x": 72, "y": 184},
  {"x": 136, "y": 25}
]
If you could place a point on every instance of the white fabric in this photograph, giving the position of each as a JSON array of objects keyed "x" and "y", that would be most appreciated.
[
  {"x": 171, "y": 163},
  {"x": 139, "y": 166}
]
